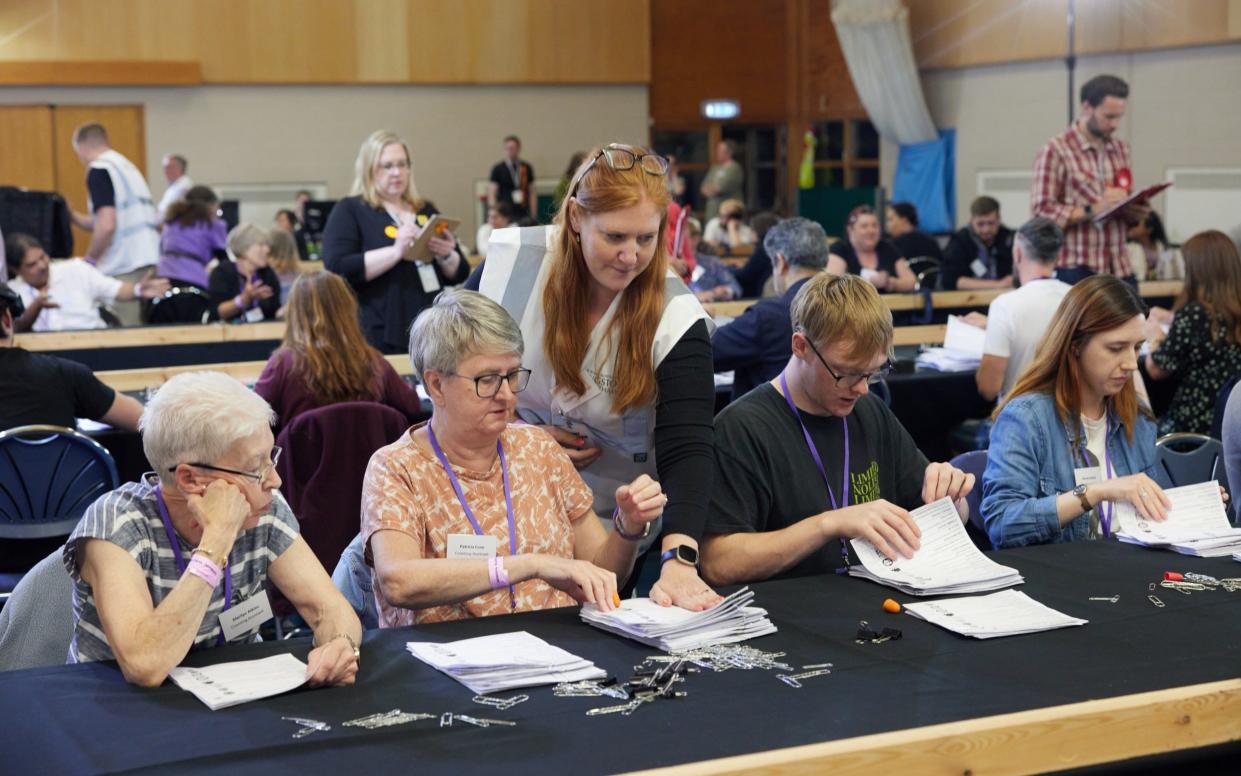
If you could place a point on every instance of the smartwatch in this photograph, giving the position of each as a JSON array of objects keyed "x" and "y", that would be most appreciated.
[
  {"x": 1080, "y": 492},
  {"x": 1088, "y": 210},
  {"x": 683, "y": 553}
]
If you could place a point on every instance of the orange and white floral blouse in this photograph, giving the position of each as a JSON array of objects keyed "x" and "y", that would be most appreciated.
[{"x": 407, "y": 490}]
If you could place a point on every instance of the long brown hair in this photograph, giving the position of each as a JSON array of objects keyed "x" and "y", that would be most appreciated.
[
  {"x": 1213, "y": 280},
  {"x": 601, "y": 189},
  {"x": 1097, "y": 304},
  {"x": 323, "y": 335},
  {"x": 198, "y": 206}
]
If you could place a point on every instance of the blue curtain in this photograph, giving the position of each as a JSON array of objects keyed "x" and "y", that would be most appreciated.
[{"x": 926, "y": 177}]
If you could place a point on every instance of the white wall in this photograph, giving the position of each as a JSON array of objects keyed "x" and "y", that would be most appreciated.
[
  {"x": 1184, "y": 110},
  {"x": 311, "y": 134}
]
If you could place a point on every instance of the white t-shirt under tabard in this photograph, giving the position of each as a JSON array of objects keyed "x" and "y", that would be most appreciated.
[{"x": 1096, "y": 442}]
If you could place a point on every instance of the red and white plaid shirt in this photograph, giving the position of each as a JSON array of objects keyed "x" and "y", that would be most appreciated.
[{"x": 1070, "y": 172}]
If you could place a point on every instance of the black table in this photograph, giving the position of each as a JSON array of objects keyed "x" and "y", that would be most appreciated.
[{"x": 72, "y": 719}]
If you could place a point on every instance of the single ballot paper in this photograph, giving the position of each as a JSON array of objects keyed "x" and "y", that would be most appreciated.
[{"x": 229, "y": 684}]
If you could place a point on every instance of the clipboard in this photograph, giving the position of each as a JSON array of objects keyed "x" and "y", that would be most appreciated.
[
  {"x": 420, "y": 249},
  {"x": 1145, "y": 193}
]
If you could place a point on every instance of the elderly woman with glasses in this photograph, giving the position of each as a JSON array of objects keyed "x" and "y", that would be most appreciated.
[
  {"x": 811, "y": 459},
  {"x": 368, "y": 234},
  {"x": 620, "y": 349},
  {"x": 180, "y": 560},
  {"x": 470, "y": 516}
]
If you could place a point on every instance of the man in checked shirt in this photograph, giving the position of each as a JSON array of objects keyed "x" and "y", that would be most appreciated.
[{"x": 1083, "y": 171}]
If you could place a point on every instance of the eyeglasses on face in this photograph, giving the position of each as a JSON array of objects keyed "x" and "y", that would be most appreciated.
[
  {"x": 258, "y": 476},
  {"x": 848, "y": 380},
  {"x": 400, "y": 166},
  {"x": 488, "y": 385}
]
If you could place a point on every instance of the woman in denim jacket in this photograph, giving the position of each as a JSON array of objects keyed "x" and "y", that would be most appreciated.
[{"x": 1071, "y": 433}]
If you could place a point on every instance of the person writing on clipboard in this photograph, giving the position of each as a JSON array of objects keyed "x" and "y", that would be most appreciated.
[
  {"x": 369, "y": 235},
  {"x": 1082, "y": 172}
]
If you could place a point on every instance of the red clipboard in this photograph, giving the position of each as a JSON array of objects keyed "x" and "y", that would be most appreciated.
[{"x": 1144, "y": 194}]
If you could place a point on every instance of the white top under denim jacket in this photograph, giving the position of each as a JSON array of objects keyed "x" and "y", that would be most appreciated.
[{"x": 1031, "y": 461}]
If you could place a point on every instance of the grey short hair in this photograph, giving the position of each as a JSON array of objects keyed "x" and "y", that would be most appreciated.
[
  {"x": 245, "y": 236},
  {"x": 802, "y": 242},
  {"x": 457, "y": 325},
  {"x": 1041, "y": 239},
  {"x": 198, "y": 417}
]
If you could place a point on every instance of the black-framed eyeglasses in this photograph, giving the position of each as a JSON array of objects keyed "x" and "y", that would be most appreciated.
[
  {"x": 258, "y": 476},
  {"x": 488, "y": 385},
  {"x": 621, "y": 157},
  {"x": 850, "y": 380}
]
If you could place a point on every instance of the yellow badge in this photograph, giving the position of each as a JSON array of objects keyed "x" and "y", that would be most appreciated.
[
  {"x": 422, "y": 220},
  {"x": 390, "y": 231}
]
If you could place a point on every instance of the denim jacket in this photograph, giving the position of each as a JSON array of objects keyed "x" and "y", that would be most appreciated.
[{"x": 1030, "y": 463}]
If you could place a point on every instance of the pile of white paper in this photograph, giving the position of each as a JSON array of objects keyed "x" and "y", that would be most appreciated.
[
  {"x": 962, "y": 350},
  {"x": 947, "y": 561},
  {"x": 504, "y": 661},
  {"x": 673, "y": 629},
  {"x": 228, "y": 684},
  {"x": 1006, "y": 613},
  {"x": 1197, "y": 524}
]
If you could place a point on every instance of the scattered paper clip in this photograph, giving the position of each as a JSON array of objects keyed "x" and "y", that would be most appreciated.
[
  {"x": 502, "y": 704},
  {"x": 307, "y": 726},
  {"x": 387, "y": 719},
  {"x": 1154, "y": 599},
  {"x": 794, "y": 680}
]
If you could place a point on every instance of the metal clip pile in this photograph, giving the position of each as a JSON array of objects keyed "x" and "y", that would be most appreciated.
[
  {"x": 387, "y": 719},
  {"x": 502, "y": 704},
  {"x": 591, "y": 689},
  {"x": 649, "y": 685},
  {"x": 1185, "y": 588},
  {"x": 728, "y": 656}
]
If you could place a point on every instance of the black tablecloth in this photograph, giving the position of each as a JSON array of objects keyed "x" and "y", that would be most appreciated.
[{"x": 85, "y": 718}]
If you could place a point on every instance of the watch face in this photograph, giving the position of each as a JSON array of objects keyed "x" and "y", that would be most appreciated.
[{"x": 687, "y": 554}]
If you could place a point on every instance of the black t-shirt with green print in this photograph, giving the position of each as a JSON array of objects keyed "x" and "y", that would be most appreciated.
[{"x": 766, "y": 479}]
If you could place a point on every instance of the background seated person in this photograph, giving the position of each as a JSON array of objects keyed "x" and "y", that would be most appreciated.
[
  {"x": 862, "y": 252},
  {"x": 246, "y": 290},
  {"x": 1150, "y": 256},
  {"x": 711, "y": 279},
  {"x": 817, "y": 423},
  {"x": 158, "y": 565},
  {"x": 1016, "y": 321},
  {"x": 901, "y": 224},
  {"x": 65, "y": 295},
  {"x": 446, "y": 483},
  {"x": 40, "y": 389},
  {"x": 282, "y": 258},
  {"x": 193, "y": 236},
  {"x": 728, "y": 231},
  {"x": 499, "y": 216},
  {"x": 288, "y": 221},
  {"x": 757, "y": 270},
  {"x": 979, "y": 255},
  {"x": 756, "y": 345},
  {"x": 1071, "y": 434},
  {"x": 325, "y": 359}
]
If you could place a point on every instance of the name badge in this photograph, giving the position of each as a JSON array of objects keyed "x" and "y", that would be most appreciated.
[
  {"x": 1087, "y": 475},
  {"x": 254, "y": 315},
  {"x": 242, "y": 618},
  {"x": 426, "y": 273},
  {"x": 978, "y": 268},
  {"x": 518, "y": 197},
  {"x": 471, "y": 546}
]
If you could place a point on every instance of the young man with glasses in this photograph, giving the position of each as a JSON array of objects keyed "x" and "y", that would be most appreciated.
[{"x": 812, "y": 457}]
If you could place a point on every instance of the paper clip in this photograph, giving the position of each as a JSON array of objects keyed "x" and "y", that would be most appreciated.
[
  {"x": 1154, "y": 599},
  {"x": 794, "y": 680},
  {"x": 500, "y": 703},
  {"x": 480, "y": 722},
  {"x": 446, "y": 719},
  {"x": 307, "y": 726}
]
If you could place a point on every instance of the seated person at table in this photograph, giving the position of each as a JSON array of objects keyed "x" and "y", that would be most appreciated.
[
  {"x": 862, "y": 252},
  {"x": 161, "y": 566},
  {"x": 1016, "y": 321},
  {"x": 788, "y": 450},
  {"x": 979, "y": 255},
  {"x": 193, "y": 236},
  {"x": 39, "y": 389},
  {"x": 283, "y": 259},
  {"x": 247, "y": 289},
  {"x": 1148, "y": 251},
  {"x": 1071, "y": 438},
  {"x": 728, "y": 231},
  {"x": 755, "y": 346},
  {"x": 499, "y": 216},
  {"x": 469, "y": 516},
  {"x": 901, "y": 223},
  {"x": 757, "y": 270},
  {"x": 1202, "y": 348},
  {"x": 65, "y": 295},
  {"x": 325, "y": 359}
]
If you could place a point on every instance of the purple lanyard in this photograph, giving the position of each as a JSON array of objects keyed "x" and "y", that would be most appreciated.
[
  {"x": 818, "y": 461},
  {"x": 180, "y": 559},
  {"x": 465, "y": 506},
  {"x": 1105, "y": 507}
]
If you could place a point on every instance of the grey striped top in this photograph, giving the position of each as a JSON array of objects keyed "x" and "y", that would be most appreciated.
[{"x": 129, "y": 518}]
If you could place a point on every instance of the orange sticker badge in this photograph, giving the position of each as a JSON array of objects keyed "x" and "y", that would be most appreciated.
[{"x": 390, "y": 231}]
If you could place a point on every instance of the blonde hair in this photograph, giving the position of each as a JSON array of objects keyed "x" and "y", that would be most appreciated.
[
  {"x": 245, "y": 236},
  {"x": 843, "y": 308},
  {"x": 284, "y": 257},
  {"x": 364, "y": 170}
]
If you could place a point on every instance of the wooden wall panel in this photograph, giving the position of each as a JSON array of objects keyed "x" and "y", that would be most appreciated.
[
  {"x": 827, "y": 88},
  {"x": 126, "y": 125},
  {"x": 27, "y": 158},
  {"x": 345, "y": 41}
]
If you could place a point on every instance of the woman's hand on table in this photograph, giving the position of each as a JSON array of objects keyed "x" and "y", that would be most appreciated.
[{"x": 586, "y": 582}]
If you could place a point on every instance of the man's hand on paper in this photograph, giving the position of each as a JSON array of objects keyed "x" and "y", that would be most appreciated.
[{"x": 885, "y": 525}]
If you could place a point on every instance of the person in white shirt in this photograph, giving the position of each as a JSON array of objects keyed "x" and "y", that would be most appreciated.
[
  {"x": 65, "y": 295},
  {"x": 1017, "y": 320},
  {"x": 728, "y": 231},
  {"x": 499, "y": 216},
  {"x": 179, "y": 183}
]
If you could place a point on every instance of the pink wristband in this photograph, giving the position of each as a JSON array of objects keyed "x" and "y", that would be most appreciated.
[
  {"x": 237, "y": 302},
  {"x": 205, "y": 570},
  {"x": 91, "y": 260}
]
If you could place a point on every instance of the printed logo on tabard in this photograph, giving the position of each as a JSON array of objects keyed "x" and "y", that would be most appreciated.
[{"x": 865, "y": 486}]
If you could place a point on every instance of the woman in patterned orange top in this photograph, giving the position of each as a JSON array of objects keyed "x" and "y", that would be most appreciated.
[{"x": 469, "y": 516}]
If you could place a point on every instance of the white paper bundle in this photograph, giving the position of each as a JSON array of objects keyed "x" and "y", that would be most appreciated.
[
  {"x": 1006, "y": 613},
  {"x": 229, "y": 684},
  {"x": 504, "y": 661},
  {"x": 673, "y": 629},
  {"x": 1197, "y": 524}
]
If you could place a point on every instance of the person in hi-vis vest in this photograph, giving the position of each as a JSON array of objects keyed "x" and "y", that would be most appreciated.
[{"x": 619, "y": 350}]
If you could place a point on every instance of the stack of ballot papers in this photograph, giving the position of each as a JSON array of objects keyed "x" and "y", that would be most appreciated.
[
  {"x": 1197, "y": 524},
  {"x": 504, "y": 661},
  {"x": 228, "y": 684},
  {"x": 1006, "y": 613},
  {"x": 962, "y": 350},
  {"x": 673, "y": 629},
  {"x": 946, "y": 563}
]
